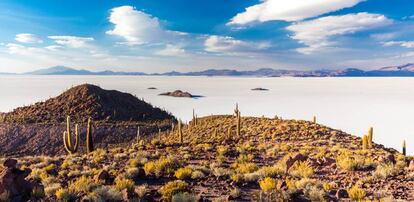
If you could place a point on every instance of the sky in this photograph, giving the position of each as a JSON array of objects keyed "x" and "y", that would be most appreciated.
[{"x": 193, "y": 35}]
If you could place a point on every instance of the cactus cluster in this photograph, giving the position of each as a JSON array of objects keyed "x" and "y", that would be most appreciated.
[{"x": 68, "y": 136}]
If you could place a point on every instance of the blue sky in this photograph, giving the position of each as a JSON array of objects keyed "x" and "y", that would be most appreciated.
[{"x": 185, "y": 35}]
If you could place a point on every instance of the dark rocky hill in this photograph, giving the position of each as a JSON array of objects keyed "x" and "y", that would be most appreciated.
[{"x": 83, "y": 101}]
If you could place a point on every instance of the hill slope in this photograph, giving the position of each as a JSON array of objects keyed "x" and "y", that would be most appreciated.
[{"x": 271, "y": 159}]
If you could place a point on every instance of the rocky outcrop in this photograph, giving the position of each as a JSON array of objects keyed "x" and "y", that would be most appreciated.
[
  {"x": 178, "y": 93},
  {"x": 13, "y": 182}
]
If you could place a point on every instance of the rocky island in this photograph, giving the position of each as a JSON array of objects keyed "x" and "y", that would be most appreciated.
[{"x": 178, "y": 93}]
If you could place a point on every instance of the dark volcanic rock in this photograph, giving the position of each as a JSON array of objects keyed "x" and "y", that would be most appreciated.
[
  {"x": 178, "y": 93},
  {"x": 85, "y": 101},
  {"x": 12, "y": 180}
]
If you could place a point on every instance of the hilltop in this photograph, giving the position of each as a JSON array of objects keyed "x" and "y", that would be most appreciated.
[
  {"x": 270, "y": 159},
  {"x": 83, "y": 101}
]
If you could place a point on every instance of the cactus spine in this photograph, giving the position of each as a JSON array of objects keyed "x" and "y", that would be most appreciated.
[
  {"x": 404, "y": 148},
  {"x": 89, "y": 138},
  {"x": 67, "y": 138},
  {"x": 364, "y": 142},
  {"x": 370, "y": 136},
  {"x": 180, "y": 132}
]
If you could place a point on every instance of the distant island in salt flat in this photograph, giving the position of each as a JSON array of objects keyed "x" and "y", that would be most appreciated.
[{"x": 406, "y": 70}]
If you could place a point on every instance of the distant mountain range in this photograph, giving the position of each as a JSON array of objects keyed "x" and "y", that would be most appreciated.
[{"x": 406, "y": 70}]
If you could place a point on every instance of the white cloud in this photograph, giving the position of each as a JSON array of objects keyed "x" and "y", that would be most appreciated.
[
  {"x": 316, "y": 34},
  {"x": 171, "y": 50},
  {"x": 136, "y": 27},
  {"x": 406, "y": 44},
  {"x": 72, "y": 41},
  {"x": 290, "y": 10},
  {"x": 28, "y": 38},
  {"x": 13, "y": 48},
  {"x": 54, "y": 47},
  {"x": 226, "y": 44},
  {"x": 384, "y": 36}
]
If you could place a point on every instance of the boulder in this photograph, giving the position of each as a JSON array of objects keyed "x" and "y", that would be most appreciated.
[
  {"x": 12, "y": 180},
  {"x": 292, "y": 160},
  {"x": 104, "y": 177},
  {"x": 341, "y": 193}
]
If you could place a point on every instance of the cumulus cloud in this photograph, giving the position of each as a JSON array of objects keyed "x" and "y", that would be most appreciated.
[
  {"x": 137, "y": 27},
  {"x": 226, "y": 44},
  {"x": 290, "y": 10},
  {"x": 405, "y": 44},
  {"x": 72, "y": 41},
  {"x": 316, "y": 34},
  {"x": 171, "y": 50},
  {"x": 22, "y": 50},
  {"x": 28, "y": 38}
]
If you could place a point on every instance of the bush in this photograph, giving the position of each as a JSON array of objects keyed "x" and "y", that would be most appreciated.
[
  {"x": 301, "y": 169},
  {"x": 356, "y": 193},
  {"x": 65, "y": 195},
  {"x": 267, "y": 184},
  {"x": 82, "y": 185},
  {"x": 237, "y": 178},
  {"x": 183, "y": 173},
  {"x": 162, "y": 166},
  {"x": 245, "y": 168},
  {"x": 184, "y": 197},
  {"x": 172, "y": 188},
  {"x": 122, "y": 184},
  {"x": 383, "y": 171},
  {"x": 197, "y": 175},
  {"x": 105, "y": 193}
]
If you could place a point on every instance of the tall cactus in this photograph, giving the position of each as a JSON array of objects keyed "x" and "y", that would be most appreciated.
[
  {"x": 229, "y": 133},
  {"x": 180, "y": 132},
  {"x": 89, "y": 138},
  {"x": 364, "y": 142},
  {"x": 370, "y": 136},
  {"x": 67, "y": 138},
  {"x": 404, "y": 148},
  {"x": 236, "y": 111},
  {"x": 238, "y": 124},
  {"x": 314, "y": 119}
]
